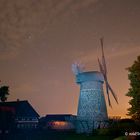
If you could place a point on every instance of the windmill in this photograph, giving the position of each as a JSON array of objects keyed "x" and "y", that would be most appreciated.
[{"x": 92, "y": 109}]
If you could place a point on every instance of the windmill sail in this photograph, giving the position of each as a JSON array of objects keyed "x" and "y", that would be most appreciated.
[
  {"x": 103, "y": 69},
  {"x": 107, "y": 89},
  {"x": 100, "y": 66},
  {"x": 103, "y": 57},
  {"x": 114, "y": 95}
]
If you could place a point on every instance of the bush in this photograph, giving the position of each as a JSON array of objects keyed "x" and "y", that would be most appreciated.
[
  {"x": 118, "y": 128},
  {"x": 103, "y": 131}
]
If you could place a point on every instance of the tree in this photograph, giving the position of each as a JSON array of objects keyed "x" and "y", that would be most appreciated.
[
  {"x": 4, "y": 91},
  {"x": 134, "y": 90}
]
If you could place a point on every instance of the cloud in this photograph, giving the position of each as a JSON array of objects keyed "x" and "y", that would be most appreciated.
[
  {"x": 82, "y": 4},
  {"x": 118, "y": 50},
  {"x": 68, "y": 7},
  {"x": 21, "y": 19},
  {"x": 123, "y": 49},
  {"x": 7, "y": 51}
]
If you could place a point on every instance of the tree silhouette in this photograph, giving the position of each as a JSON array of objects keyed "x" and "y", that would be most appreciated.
[
  {"x": 4, "y": 92},
  {"x": 134, "y": 90}
]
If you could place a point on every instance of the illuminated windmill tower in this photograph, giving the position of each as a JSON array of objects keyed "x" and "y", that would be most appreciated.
[{"x": 92, "y": 110}]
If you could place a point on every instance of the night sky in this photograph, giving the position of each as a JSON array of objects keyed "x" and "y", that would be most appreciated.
[{"x": 40, "y": 39}]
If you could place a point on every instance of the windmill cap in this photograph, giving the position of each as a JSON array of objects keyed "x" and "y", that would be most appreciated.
[{"x": 90, "y": 76}]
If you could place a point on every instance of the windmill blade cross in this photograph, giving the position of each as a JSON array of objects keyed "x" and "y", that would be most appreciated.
[
  {"x": 105, "y": 78},
  {"x": 103, "y": 69},
  {"x": 103, "y": 57},
  {"x": 107, "y": 91},
  {"x": 114, "y": 95}
]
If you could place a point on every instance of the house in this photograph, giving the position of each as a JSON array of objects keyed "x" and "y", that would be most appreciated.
[
  {"x": 60, "y": 122},
  {"x": 18, "y": 114}
]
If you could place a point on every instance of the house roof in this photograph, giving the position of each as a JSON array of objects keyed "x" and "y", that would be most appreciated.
[
  {"x": 21, "y": 108},
  {"x": 57, "y": 117}
]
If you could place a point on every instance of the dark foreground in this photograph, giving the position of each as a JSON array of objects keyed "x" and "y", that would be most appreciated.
[
  {"x": 122, "y": 130},
  {"x": 54, "y": 135}
]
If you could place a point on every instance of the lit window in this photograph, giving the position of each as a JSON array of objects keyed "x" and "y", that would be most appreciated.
[{"x": 60, "y": 125}]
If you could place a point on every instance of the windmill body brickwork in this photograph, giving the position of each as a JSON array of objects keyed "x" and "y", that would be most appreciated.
[{"x": 92, "y": 106}]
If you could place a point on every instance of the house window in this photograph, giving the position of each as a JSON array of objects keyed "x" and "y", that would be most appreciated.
[
  {"x": 18, "y": 125},
  {"x": 34, "y": 119},
  {"x": 29, "y": 126},
  {"x": 16, "y": 119},
  {"x": 23, "y": 119},
  {"x": 22, "y": 125},
  {"x": 35, "y": 126}
]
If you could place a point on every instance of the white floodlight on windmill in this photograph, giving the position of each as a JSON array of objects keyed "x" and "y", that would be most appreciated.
[{"x": 92, "y": 106}]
